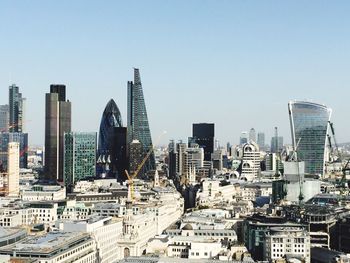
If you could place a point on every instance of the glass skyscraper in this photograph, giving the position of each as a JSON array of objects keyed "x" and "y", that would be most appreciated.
[
  {"x": 309, "y": 126},
  {"x": 203, "y": 134},
  {"x": 16, "y": 109},
  {"x": 112, "y": 160},
  {"x": 79, "y": 156},
  {"x": 22, "y": 139},
  {"x": 138, "y": 127},
  {"x": 57, "y": 123}
]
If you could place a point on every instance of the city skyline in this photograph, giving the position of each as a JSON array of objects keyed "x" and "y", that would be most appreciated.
[{"x": 276, "y": 51}]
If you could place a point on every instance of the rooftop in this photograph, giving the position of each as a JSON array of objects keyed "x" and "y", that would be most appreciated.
[{"x": 50, "y": 243}]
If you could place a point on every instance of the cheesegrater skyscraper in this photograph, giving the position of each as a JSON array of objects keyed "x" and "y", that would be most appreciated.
[{"x": 138, "y": 127}]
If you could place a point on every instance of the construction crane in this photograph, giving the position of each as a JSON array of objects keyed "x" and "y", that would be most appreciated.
[
  {"x": 334, "y": 139},
  {"x": 345, "y": 168},
  {"x": 139, "y": 167}
]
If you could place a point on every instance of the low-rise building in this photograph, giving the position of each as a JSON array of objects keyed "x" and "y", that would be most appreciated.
[
  {"x": 105, "y": 231},
  {"x": 44, "y": 193},
  {"x": 54, "y": 247},
  {"x": 287, "y": 242}
]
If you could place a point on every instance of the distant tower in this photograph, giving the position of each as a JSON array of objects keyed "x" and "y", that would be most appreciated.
[
  {"x": 252, "y": 135},
  {"x": 261, "y": 140},
  {"x": 57, "y": 122},
  {"x": 138, "y": 127},
  {"x": 4, "y": 118},
  {"x": 203, "y": 134},
  {"x": 16, "y": 109},
  {"x": 244, "y": 138},
  {"x": 13, "y": 168},
  {"x": 112, "y": 159}
]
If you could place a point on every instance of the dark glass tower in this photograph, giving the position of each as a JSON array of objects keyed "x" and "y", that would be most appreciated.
[
  {"x": 57, "y": 122},
  {"x": 16, "y": 109},
  {"x": 112, "y": 160},
  {"x": 138, "y": 127},
  {"x": 203, "y": 135}
]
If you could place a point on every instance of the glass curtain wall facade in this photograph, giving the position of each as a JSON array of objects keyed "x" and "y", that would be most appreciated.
[
  {"x": 138, "y": 126},
  {"x": 309, "y": 127},
  {"x": 79, "y": 156},
  {"x": 112, "y": 161},
  {"x": 8, "y": 137},
  {"x": 16, "y": 109}
]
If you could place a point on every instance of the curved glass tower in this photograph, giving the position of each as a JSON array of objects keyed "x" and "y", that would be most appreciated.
[
  {"x": 112, "y": 143},
  {"x": 309, "y": 126}
]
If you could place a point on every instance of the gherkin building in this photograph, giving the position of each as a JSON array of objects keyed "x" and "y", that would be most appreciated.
[{"x": 112, "y": 161}]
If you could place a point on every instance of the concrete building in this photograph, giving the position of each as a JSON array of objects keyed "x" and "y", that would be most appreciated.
[
  {"x": 11, "y": 235},
  {"x": 44, "y": 193},
  {"x": 104, "y": 230},
  {"x": 287, "y": 242},
  {"x": 250, "y": 161},
  {"x": 54, "y": 247},
  {"x": 13, "y": 169}
]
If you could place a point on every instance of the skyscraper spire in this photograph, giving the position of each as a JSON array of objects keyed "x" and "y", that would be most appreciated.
[{"x": 138, "y": 127}]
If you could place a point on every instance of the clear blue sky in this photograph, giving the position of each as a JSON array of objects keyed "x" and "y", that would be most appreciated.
[{"x": 234, "y": 63}]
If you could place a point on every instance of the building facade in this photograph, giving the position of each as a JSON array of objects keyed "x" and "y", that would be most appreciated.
[
  {"x": 4, "y": 118},
  {"x": 13, "y": 169},
  {"x": 261, "y": 140},
  {"x": 203, "y": 134},
  {"x": 112, "y": 159},
  {"x": 287, "y": 242},
  {"x": 57, "y": 122},
  {"x": 79, "y": 156},
  {"x": 138, "y": 126},
  {"x": 16, "y": 109},
  {"x": 309, "y": 127},
  {"x": 22, "y": 139}
]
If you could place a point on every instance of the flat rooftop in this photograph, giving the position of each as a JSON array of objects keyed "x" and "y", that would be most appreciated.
[{"x": 51, "y": 243}]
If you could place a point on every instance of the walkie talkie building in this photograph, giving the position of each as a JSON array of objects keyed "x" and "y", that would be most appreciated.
[{"x": 309, "y": 126}]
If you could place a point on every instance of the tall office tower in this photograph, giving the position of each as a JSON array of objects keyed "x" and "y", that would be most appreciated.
[
  {"x": 172, "y": 159},
  {"x": 309, "y": 126},
  {"x": 112, "y": 159},
  {"x": 79, "y": 156},
  {"x": 138, "y": 127},
  {"x": 252, "y": 135},
  {"x": 13, "y": 169},
  {"x": 4, "y": 118},
  {"x": 16, "y": 109},
  {"x": 250, "y": 161},
  {"x": 276, "y": 144},
  {"x": 261, "y": 139},
  {"x": 9, "y": 137},
  {"x": 217, "y": 159},
  {"x": 57, "y": 122},
  {"x": 136, "y": 153},
  {"x": 244, "y": 138},
  {"x": 203, "y": 134}
]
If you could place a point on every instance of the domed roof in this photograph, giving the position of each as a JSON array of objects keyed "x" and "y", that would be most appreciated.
[{"x": 187, "y": 227}]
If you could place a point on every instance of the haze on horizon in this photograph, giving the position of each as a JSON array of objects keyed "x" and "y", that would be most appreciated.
[{"x": 233, "y": 63}]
